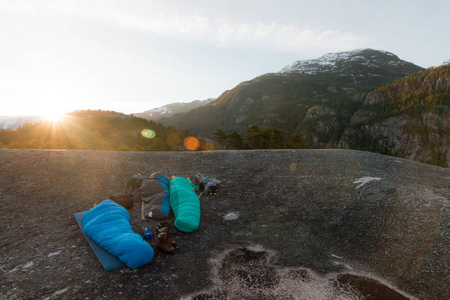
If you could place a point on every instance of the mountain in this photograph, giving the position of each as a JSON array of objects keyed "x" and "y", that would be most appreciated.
[
  {"x": 407, "y": 118},
  {"x": 14, "y": 122},
  {"x": 171, "y": 109},
  {"x": 363, "y": 99},
  {"x": 335, "y": 82},
  {"x": 348, "y": 63}
]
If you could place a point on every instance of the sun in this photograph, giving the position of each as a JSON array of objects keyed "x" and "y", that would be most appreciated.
[{"x": 54, "y": 116}]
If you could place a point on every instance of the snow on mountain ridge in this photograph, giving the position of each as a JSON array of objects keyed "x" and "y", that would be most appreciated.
[
  {"x": 329, "y": 62},
  {"x": 172, "y": 108},
  {"x": 162, "y": 110}
]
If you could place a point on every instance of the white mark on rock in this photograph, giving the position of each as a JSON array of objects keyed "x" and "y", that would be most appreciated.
[
  {"x": 335, "y": 256},
  {"x": 57, "y": 293},
  {"x": 13, "y": 270},
  {"x": 54, "y": 253},
  {"x": 28, "y": 265},
  {"x": 338, "y": 263},
  {"x": 256, "y": 248},
  {"x": 364, "y": 180},
  {"x": 348, "y": 266},
  {"x": 231, "y": 216}
]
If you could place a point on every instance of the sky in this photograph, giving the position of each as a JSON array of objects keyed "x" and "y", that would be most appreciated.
[{"x": 134, "y": 55}]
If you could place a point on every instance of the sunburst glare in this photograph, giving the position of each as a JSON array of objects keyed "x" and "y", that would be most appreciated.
[{"x": 54, "y": 116}]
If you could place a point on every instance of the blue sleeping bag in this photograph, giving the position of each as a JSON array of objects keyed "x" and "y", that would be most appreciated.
[
  {"x": 185, "y": 204},
  {"x": 108, "y": 224}
]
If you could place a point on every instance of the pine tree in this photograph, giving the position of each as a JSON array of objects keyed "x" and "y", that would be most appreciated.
[
  {"x": 235, "y": 141},
  {"x": 254, "y": 138},
  {"x": 220, "y": 136},
  {"x": 296, "y": 142},
  {"x": 275, "y": 138}
]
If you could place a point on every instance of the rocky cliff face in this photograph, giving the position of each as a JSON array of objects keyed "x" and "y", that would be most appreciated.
[
  {"x": 319, "y": 124},
  {"x": 393, "y": 136},
  {"x": 408, "y": 119}
]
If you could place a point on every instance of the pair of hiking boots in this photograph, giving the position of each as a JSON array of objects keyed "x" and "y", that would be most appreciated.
[{"x": 164, "y": 241}]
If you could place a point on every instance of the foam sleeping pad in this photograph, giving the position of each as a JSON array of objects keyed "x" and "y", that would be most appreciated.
[
  {"x": 185, "y": 204},
  {"x": 108, "y": 224}
]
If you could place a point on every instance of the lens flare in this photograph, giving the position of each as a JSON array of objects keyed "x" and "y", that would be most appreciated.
[
  {"x": 147, "y": 133},
  {"x": 293, "y": 167},
  {"x": 191, "y": 143}
]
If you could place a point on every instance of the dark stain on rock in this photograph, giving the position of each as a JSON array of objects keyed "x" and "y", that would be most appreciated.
[{"x": 366, "y": 288}]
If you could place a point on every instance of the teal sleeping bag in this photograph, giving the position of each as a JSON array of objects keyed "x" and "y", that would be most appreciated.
[
  {"x": 108, "y": 224},
  {"x": 185, "y": 204}
]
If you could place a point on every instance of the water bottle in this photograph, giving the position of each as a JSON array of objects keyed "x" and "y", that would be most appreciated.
[{"x": 148, "y": 233}]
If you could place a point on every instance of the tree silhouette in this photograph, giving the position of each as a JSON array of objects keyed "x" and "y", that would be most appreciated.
[
  {"x": 235, "y": 141},
  {"x": 220, "y": 136}
]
